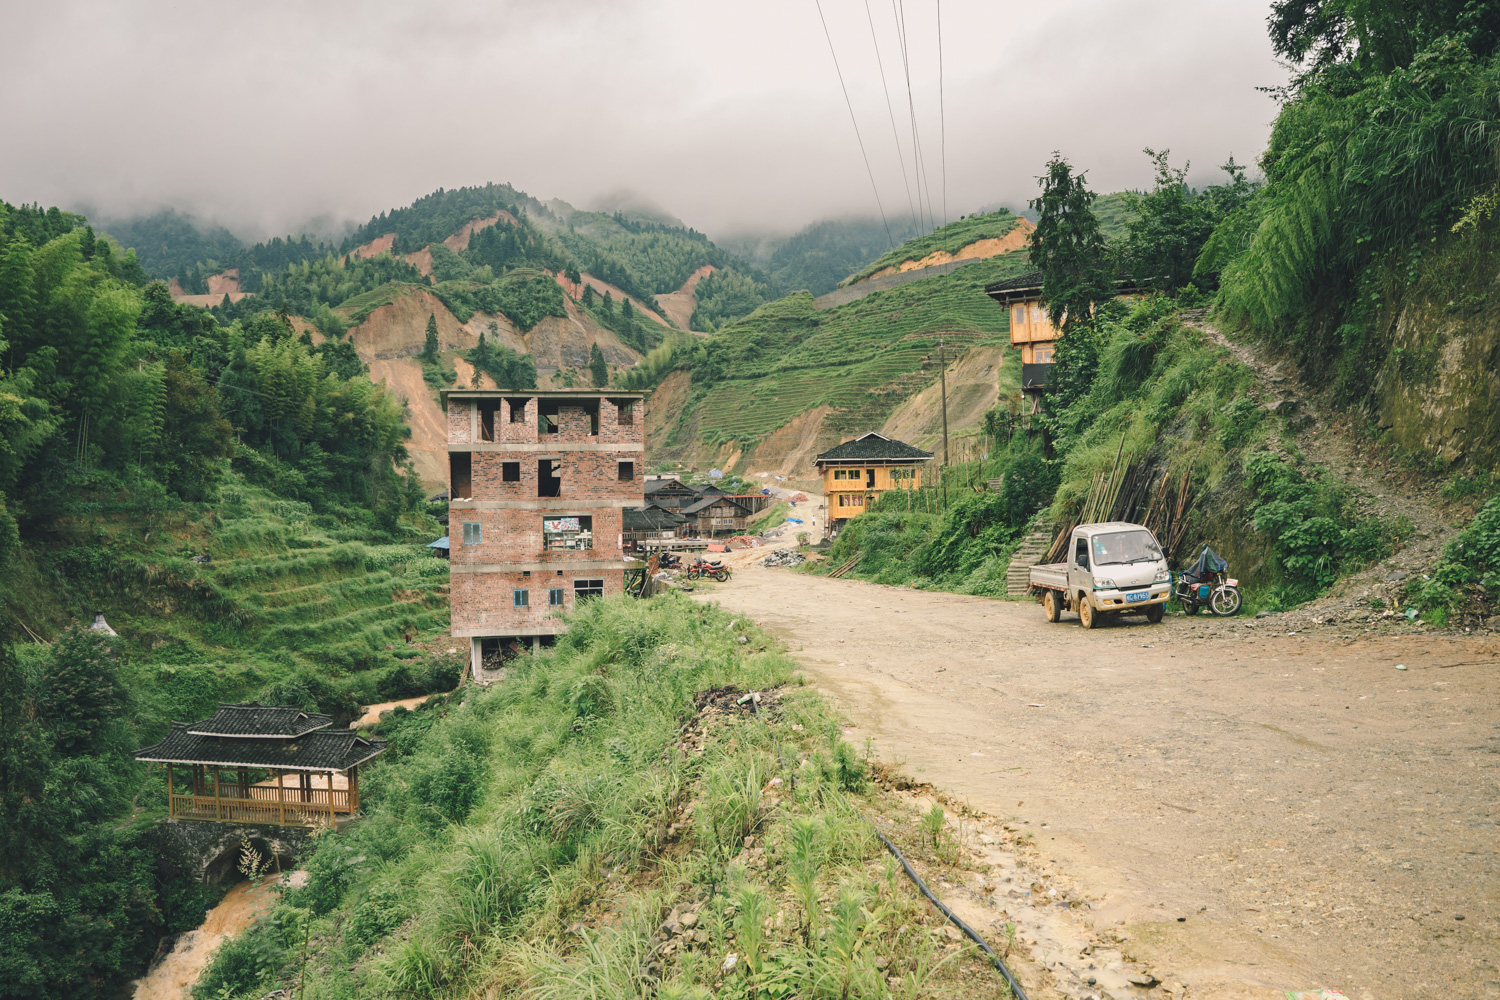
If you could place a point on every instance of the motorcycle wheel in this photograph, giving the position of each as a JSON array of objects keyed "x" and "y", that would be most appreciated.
[
  {"x": 722, "y": 575},
  {"x": 692, "y": 574},
  {"x": 1190, "y": 607},
  {"x": 1226, "y": 601}
]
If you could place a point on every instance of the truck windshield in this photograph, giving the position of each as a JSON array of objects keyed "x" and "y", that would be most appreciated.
[{"x": 1120, "y": 547}]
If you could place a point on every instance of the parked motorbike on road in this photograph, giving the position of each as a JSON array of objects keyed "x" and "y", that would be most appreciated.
[
  {"x": 1205, "y": 585},
  {"x": 708, "y": 568}
]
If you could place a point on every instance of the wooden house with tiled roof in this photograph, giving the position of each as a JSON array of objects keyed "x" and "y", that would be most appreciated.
[
  {"x": 857, "y": 472},
  {"x": 253, "y": 763}
]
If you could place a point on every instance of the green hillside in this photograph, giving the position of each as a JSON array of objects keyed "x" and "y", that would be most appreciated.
[
  {"x": 819, "y": 256},
  {"x": 236, "y": 501},
  {"x": 952, "y": 238},
  {"x": 863, "y": 359}
]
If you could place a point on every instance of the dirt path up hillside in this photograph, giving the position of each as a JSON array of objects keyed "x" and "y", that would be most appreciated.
[{"x": 1327, "y": 444}]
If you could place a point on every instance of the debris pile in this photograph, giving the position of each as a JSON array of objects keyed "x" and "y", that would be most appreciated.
[{"x": 784, "y": 557}]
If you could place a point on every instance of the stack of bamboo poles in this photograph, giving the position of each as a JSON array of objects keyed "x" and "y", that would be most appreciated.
[
  {"x": 1096, "y": 506},
  {"x": 1133, "y": 491}
]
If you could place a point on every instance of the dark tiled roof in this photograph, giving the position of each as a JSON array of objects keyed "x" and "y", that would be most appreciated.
[
  {"x": 1031, "y": 280},
  {"x": 651, "y": 518},
  {"x": 708, "y": 502},
  {"x": 872, "y": 447},
  {"x": 669, "y": 486},
  {"x": 323, "y": 750},
  {"x": 254, "y": 719}
]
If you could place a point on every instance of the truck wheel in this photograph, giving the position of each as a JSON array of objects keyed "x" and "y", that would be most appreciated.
[
  {"x": 1154, "y": 613},
  {"x": 1086, "y": 613},
  {"x": 1050, "y": 605}
]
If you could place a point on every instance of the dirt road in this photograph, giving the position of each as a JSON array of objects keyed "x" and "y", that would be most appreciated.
[{"x": 1263, "y": 811}]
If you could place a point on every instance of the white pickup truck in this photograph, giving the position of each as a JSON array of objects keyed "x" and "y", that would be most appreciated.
[{"x": 1115, "y": 568}]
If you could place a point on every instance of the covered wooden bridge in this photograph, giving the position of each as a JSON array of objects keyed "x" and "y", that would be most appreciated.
[{"x": 271, "y": 764}]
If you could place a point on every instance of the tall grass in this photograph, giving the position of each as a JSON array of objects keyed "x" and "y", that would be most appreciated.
[{"x": 582, "y": 830}]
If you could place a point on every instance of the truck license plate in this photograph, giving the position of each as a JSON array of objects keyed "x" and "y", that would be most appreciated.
[{"x": 1139, "y": 595}]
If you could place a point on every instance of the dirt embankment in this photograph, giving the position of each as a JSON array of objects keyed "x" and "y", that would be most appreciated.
[
  {"x": 224, "y": 283},
  {"x": 600, "y": 287},
  {"x": 421, "y": 260},
  {"x": 679, "y": 305},
  {"x": 1011, "y": 241},
  {"x": 973, "y": 387},
  {"x": 790, "y": 449},
  {"x": 459, "y": 241},
  {"x": 379, "y": 245}
]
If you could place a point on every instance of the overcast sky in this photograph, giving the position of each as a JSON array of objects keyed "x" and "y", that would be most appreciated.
[{"x": 265, "y": 115}]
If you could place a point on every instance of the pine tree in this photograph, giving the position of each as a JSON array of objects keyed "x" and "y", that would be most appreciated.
[
  {"x": 1068, "y": 247},
  {"x": 430, "y": 346},
  {"x": 588, "y": 295},
  {"x": 597, "y": 367}
]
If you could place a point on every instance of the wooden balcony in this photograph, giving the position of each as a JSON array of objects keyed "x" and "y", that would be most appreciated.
[{"x": 306, "y": 801}]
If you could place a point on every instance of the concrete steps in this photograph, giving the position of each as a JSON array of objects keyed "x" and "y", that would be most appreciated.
[{"x": 1033, "y": 547}]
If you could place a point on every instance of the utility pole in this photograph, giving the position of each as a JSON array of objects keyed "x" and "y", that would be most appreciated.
[{"x": 943, "y": 380}]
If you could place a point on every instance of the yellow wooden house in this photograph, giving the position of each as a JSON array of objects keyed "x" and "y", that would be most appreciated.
[{"x": 858, "y": 471}]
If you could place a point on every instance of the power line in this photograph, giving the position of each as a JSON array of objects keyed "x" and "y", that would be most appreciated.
[
  {"x": 850, "y": 105},
  {"x": 942, "y": 112},
  {"x": 919, "y": 161},
  {"x": 900, "y": 157}
]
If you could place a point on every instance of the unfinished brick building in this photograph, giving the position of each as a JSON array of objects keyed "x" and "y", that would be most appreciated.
[{"x": 537, "y": 485}]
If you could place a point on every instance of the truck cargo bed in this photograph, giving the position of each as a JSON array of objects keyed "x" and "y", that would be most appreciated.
[{"x": 1052, "y": 575}]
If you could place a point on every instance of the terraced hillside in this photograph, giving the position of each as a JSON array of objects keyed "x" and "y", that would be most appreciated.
[
  {"x": 286, "y": 594},
  {"x": 828, "y": 372}
]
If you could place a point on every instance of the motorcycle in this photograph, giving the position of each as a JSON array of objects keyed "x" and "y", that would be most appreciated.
[
  {"x": 1205, "y": 584},
  {"x": 669, "y": 560},
  {"x": 708, "y": 568}
]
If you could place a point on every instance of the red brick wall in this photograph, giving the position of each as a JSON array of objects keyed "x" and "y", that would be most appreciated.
[
  {"x": 485, "y": 600},
  {"x": 586, "y": 476},
  {"x": 512, "y": 536},
  {"x": 459, "y": 429}
]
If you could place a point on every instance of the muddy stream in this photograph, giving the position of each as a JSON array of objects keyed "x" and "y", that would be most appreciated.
[{"x": 173, "y": 977}]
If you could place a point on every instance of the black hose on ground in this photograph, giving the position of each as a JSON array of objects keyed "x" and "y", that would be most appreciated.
[{"x": 1015, "y": 987}]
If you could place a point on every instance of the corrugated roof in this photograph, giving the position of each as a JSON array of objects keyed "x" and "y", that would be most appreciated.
[
  {"x": 255, "y": 719},
  {"x": 873, "y": 447},
  {"x": 322, "y": 750}
]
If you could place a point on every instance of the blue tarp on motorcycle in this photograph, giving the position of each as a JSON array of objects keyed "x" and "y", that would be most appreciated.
[{"x": 1208, "y": 563}]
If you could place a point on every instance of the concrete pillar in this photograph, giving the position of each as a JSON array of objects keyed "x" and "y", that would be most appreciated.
[{"x": 476, "y": 658}]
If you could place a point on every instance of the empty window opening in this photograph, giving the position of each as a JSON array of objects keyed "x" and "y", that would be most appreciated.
[
  {"x": 517, "y": 410},
  {"x": 510, "y": 472},
  {"x": 521, "y": 597},
  {"x": 869, "y": 479},
  {"x": 555, "y": 597},
  {"x": 625, "y": 413},
  {"x": 548, "y": 478},
  {"x": 471, "y": 532},
  {"x": 460, "y": 475},
  {"x": 487, "y": 408},
  {"x": 627, "y": 472},
  {"x": 547, "y": 420},
  {"x": 585, "y": 589},
  {"x": 567, "y": 533}
]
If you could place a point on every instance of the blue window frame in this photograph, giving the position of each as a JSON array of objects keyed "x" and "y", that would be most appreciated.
[
  {"x": 471, "y": 532},
  {"x": 522, "y": 598},
  {"x": 555, "y": 597}
]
